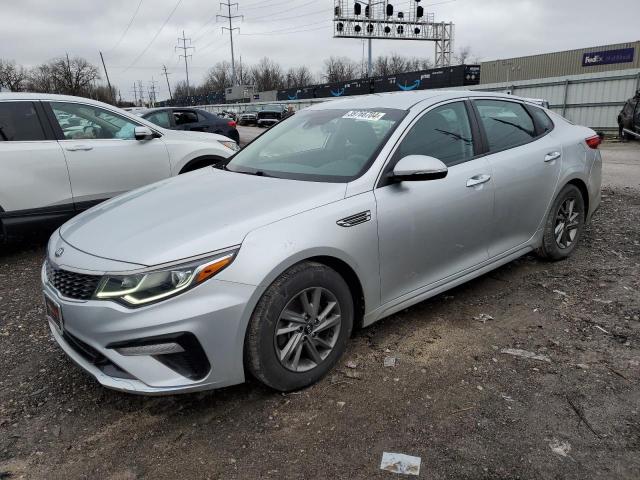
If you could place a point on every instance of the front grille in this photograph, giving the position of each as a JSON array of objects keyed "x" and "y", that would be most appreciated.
[
  {"x": 269, "y": 115},
  {"x": 77, "y": 286}
]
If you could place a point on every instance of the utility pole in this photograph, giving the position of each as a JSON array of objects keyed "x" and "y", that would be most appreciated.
[
  {"x": 370, "y": 64},
  {"x": 231, "y": 28},
  {"x": 141, "y": 93},
  {"x": 184, "y": 49},
  {"x": 111, "y": 93},
  {"x": 152, "y": 92},
  {"x": 135, "y": 93},
  {"x": 166, "y": 75}
]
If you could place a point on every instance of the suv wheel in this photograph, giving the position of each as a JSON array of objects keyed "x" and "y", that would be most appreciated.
[
  {"x": 564, "y": 224},
  {"x": 299, "y": 328}
]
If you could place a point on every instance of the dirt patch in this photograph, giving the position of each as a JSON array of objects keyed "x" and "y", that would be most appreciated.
[{"x": 453, "y": 398}]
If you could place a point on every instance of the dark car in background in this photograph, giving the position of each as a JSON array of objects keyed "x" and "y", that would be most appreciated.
[
  {"x": 270, "y": 115},
  {"x": 192, "y": 119},
  {"x": 629, "y": 118},
  {"x": 248, "y": 117}
]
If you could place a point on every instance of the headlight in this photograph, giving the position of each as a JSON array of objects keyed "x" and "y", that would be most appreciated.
[
  {"x": 230, "y": 144},
  {"x": 147, "y": 287}
]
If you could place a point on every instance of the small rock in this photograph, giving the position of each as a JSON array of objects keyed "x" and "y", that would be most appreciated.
[
  {"x": 351, "y": 364},
  {"x": 390, "y": 361},
  {"x": 340, "y": 404}
]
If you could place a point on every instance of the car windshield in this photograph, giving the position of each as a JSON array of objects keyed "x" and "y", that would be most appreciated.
[{"x": 332, "y": 145}]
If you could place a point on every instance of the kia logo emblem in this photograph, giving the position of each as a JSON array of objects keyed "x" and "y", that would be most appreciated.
[{"x": 59, "y": 252}]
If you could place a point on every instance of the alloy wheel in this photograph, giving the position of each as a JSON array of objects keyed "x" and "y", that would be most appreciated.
[
  {"x": 307, "y": 329},
  {"x": 567, "y": 223}
]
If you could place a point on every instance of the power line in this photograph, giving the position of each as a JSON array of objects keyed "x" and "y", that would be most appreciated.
[
  {"x": 231, "y": 28},
  {"x": 185, "y": 49},
  {"x": 155, "y": 36},
  {"x": 288, "y": 10},
  {"x": 127, "y": 28},
  {"x": 288, "y": 30}
]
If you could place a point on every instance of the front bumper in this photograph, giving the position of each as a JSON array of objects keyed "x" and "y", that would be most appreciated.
[
  {"x": 268, "y": 121},
  {"x": 215, "y": 312}
]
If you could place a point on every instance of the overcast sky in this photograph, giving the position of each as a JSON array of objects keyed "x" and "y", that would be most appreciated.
[{"x": 291, "y": 32}]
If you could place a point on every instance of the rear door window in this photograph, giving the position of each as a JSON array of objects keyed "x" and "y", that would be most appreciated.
[
  {"x": 19, "y": 122},
  {"x": 160, "y": 118},
  {"x": 507, "y": 124},
  {"x": 185, "y": 117}
]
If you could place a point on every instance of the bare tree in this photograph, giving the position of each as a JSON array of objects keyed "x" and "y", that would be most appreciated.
[
  {"x": 12, "y": 76},
  {"x": 298, "y": 77},
  {"x": 465, "y": 56},
  {"x": 339, "y": 69},
  {"x": 267, "y": 75},
  {"x": 74, "y": 76},
  {"x": 218, "y": 77}
]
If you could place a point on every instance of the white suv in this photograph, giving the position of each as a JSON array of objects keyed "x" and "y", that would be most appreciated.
[{"x": 60, "y": 155}]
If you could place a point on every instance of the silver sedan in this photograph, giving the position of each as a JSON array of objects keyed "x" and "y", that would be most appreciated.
[{"x": 337, "y": 217}]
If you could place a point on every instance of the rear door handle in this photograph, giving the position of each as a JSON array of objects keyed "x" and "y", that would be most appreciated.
[
  {"x": 551, "y": 156},
  {"x": 478, "y": 179},
  {"x": 75, "y": 148}
]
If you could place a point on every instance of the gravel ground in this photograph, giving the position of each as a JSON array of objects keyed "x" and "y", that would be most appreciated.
[{"x": 454, "y": 398}]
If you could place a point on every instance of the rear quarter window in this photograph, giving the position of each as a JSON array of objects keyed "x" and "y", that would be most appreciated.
[{"x": 545, "y": 124}]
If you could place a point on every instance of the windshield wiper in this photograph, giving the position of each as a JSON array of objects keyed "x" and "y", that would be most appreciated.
[
  {"x": 454, "y": 135},
  {"x": 514, "y": 125}
]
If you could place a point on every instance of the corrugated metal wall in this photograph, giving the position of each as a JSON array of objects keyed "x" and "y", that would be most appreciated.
[
  {"x": 553, "y": 64},
  {"x": 593, "y": 99}
]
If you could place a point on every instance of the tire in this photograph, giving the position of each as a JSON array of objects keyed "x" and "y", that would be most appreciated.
[
  {"x": 558, "y": 246},
  {"x": 263, "y": 348}
]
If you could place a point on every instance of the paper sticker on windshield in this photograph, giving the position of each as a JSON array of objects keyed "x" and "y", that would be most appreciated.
[{"x": 364, "y": 115}]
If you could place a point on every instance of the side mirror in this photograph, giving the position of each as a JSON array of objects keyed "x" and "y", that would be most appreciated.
[
  {"x": 418, "y": 168},
  {"x": 143, "y": 133}
]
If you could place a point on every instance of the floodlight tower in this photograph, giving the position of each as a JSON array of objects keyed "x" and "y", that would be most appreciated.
[{"x": 367, "y": 19}]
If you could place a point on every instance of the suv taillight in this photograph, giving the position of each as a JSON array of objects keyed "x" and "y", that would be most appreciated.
[
  {"x": 594, "y": 142},
  {"x": 231, "y": 123}
]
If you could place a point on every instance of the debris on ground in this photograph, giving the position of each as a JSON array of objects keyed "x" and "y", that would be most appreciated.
[
  {"x": 559, "y": 447},
  {"x": 524, "y": 354},
  {"x": 351, "y": 364},
  {"x": 400, "y": 463},
  {"x": 483, "y": 317},
  {"x": 352, "y": 374},
  {"x": 390, "y": 361},
  {"x": 340, "y": 404}
]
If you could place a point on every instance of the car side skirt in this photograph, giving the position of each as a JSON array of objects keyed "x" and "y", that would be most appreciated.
[{"x": 432, "y": 290}]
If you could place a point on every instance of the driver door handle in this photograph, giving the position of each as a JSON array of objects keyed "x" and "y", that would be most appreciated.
[
  {"x": 478, "y": 180},
  {"x": 75, "y": 148},
  {"x": 551, "y": 156}
]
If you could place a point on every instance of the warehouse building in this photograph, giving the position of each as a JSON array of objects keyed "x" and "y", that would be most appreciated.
[{"x": 622, "y": 56}]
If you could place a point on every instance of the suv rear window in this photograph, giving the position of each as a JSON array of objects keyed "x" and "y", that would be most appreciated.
[{"x": 19, "y": 122}]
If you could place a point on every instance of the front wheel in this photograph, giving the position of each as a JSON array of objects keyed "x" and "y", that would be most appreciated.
[
  {"x": 564, "y": 224},
  {"x": 299, "y": 328}
]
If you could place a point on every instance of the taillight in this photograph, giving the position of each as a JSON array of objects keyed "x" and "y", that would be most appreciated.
[
  {"x": 594, "y": 142},
  {"x": 231, "y": 123}
]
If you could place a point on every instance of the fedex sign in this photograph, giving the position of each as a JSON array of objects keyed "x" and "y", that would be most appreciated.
[{"x": 624, "y": 55}]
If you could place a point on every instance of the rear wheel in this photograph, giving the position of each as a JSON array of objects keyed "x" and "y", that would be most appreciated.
[
  {"x": 564, "y": 224},
  {"x": 299, "y": 328}
]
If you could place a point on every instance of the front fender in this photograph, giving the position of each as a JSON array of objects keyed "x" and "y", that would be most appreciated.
[
  {"x": 270, "y": 250},
  {"x": 182, "y": 152}
]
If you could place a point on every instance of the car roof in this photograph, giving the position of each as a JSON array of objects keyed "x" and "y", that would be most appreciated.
[
  {"x": 46, "y": 96},
  {"x": 406, "y": 100}
]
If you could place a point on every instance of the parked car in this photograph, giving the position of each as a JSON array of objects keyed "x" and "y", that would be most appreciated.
[
  {"x": 270, "y": 115},
  {"x": 248, "y": 117},
  {"x": 346, "y": 213},
  {"x": 60, "y": 155},
  {"x": 629, "y": 118},
  {"x": 192, "y": 119}
]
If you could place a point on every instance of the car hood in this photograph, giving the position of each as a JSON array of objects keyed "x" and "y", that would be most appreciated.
[{"x": 192, "y": 214}]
